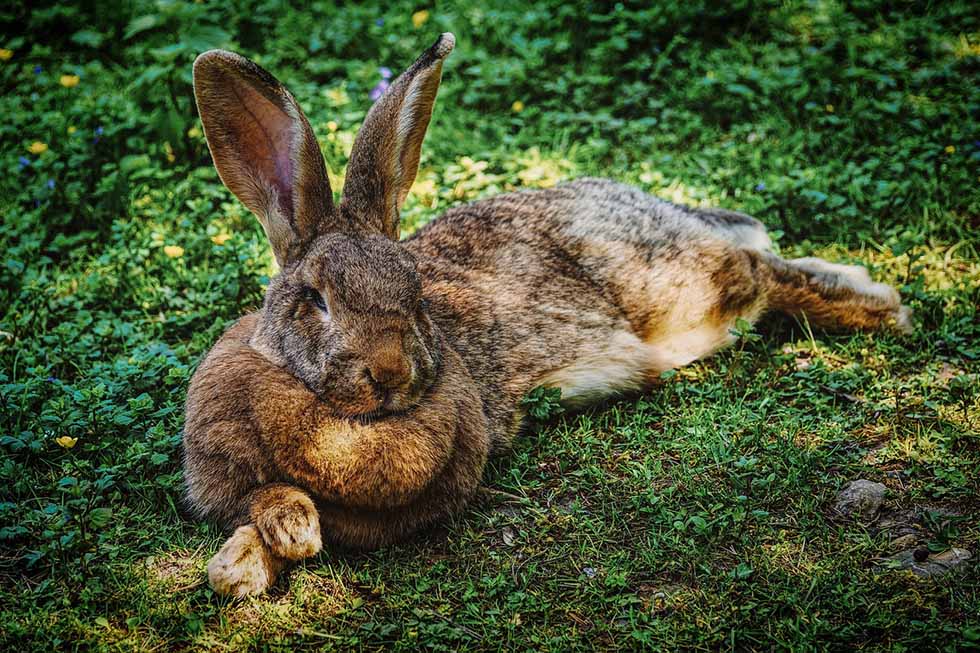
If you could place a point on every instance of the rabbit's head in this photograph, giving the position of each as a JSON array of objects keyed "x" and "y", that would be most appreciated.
[{"x": 345, "y": 315}]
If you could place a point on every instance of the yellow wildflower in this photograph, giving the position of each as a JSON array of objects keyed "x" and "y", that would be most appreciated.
[
  {"x": 69, "y": 81},
  {"x": 173, "y": 251},
  {"x": 72, "y": 129},
  {"x": 194, "y": 132},
  {"x": 950, "y": 149},
  {"x": 966, "y": 49},
  {"x": 517, "y": 107},
  {"x": 6, "y": 54},
  {"x": 220, "y": 239},
  {"x": 829, "y": 108},
  {"x": 37, "y": 147},
  {"x": 168, "y": 149},
  {"x": 332, "y": 126},
  {"x": 337, "y": 96},
  {"x": 419, "y": 18},
  {"x": 66, "y": 441}
]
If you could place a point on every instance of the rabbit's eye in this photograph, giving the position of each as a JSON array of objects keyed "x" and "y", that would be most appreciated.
[
  {"x": 424, "y": 305},
  {"x": 313, "y": 296}
]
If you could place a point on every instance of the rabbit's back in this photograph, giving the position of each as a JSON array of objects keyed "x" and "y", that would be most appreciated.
[
  {"x": 580, "y": 217},
  {"x": 594, "y": 286}
]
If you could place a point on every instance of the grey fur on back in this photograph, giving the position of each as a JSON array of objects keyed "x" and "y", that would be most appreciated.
[{"x": 544, "y": 272}]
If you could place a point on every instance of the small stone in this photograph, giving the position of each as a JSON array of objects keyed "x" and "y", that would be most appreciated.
[
  {"x": 931, "y": 565},
  {"x": 589, "y": 572},
  {"x": 508, "y": 510},
  {"x": 860, "y": 499},
  {"x": 509, "y": 536},
  {"x": 903, "y": 542}
]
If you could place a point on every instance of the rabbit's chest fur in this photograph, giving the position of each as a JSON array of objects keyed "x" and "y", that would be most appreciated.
[{"x": 593, "y": 287}]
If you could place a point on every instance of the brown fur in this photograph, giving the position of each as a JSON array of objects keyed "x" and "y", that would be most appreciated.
[{"x": 361, "y": 403}]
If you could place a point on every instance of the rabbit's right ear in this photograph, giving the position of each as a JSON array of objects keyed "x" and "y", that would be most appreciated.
[
  {"x": 264, "y": 150},
  {"x": 385, "y": 156}
]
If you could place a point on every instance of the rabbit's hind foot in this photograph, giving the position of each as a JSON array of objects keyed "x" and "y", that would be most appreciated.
[{"x": 244, "y": 565}]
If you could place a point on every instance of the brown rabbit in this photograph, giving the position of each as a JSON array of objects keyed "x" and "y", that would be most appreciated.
[{"x": 361, "y": 402}]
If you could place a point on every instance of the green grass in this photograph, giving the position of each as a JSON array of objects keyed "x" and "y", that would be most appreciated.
[{"x": 698, "y": 515}]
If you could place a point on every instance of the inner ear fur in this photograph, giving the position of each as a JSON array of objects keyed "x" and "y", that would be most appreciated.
[{"x": 264, "y": 150}]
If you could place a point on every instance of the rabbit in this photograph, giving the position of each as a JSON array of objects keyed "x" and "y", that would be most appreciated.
[{"x": 362, "y": 401}]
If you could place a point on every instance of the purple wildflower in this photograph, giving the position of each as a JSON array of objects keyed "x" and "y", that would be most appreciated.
[
  {"x": 379, "y": 22},
  {"x": 38, "y": 69},
  {"x": 760, "y": 186},
  {"x": 378, "y": 90},
  {"x": 52, "y": 379},
  {"x": 98, "y": 134},
  {"x": 51, "y": 184},
  {"x": 23, "y": 161},
  {"x": 385, "y": 72}
]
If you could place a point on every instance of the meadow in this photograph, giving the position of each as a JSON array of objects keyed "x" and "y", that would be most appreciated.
[{"x": 699, "y": 515}]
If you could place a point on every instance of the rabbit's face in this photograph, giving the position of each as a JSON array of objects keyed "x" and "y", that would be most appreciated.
[
  {"x": 350, "y": 322},
  {"x": 346, "y": 314}
]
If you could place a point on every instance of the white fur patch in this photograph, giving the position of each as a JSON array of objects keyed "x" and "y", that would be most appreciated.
[
  {"x": 751, "y": 237},
  {"x": 620, "y": 364},
  {"x": 688, "y": 345},
  {"x": 625, "y": 363}
]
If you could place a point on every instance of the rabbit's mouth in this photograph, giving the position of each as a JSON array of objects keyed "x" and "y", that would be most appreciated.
[
  {"x": 392, "y": 401},
  {"x": 366, "y": 400},
  {"x": 355, "y": 390},
  {"x": 400, "y": 400}
]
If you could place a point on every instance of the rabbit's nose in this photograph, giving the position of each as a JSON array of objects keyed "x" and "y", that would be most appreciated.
[{"x": 391, "y": 372}]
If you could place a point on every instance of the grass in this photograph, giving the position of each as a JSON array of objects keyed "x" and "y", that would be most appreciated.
[{"x": 696, "y": 516}]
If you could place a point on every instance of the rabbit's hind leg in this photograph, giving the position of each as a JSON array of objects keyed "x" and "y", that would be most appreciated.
[{"x": 835, "y": 296}]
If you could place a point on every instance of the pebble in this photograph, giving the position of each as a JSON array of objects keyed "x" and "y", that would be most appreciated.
[
  {"x": 860, "y": 499},
  {"x": 921, "y": 563},
  {"x": 904, "y": 542}
]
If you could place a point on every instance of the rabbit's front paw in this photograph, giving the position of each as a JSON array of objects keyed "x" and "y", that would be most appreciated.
[
  {"x": 291, "y": 529},
  {"x": 243, "y": 565}
]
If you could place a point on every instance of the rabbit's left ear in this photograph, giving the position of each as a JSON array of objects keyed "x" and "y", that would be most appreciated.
[
  {"x": 264, "y": 150},
  {"x": 385, "y": 156}
]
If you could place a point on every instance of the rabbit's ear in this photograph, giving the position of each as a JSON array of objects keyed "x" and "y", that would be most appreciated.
[
  {"x": 264, "y": 150},
  {"x": 385, "y": 157}
]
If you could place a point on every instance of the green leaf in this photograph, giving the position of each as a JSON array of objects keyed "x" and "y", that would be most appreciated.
[
  {"x": 132, "y": 162},
  {"x": 141, "y": 24},
  {"x": 100, "y": 517},
  {"x": 87, "y": 38},
  {"x": 123, "y": 419},
  {"x": 740, "y": 89},
  {"x": 199, "y": 38},
  {"x": 543, "y": 403}
]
